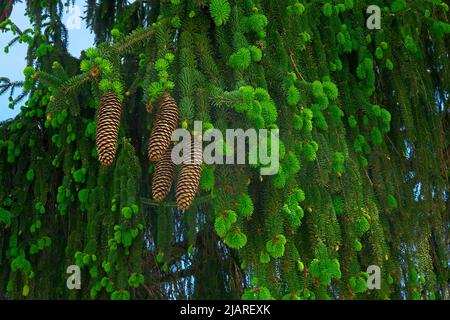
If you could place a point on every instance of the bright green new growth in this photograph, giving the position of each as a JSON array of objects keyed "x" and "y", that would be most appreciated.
[
  {"x": 245, "y": 206},
  {"x": 220, "y": 11}
]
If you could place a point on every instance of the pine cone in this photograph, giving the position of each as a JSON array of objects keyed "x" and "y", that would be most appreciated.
[
  {"x": 163, "y": 176},
  {"x": 189, "y": 178},
  {"x": 108, "y": 123},
  {"x": 165, "y": 124}
]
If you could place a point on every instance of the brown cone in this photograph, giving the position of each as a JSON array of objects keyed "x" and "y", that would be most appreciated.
[
  {"x": 165, "y": 124},
  {"x": 108, "y": 123},
  {"x": 189, "y": 178},
  {"x": 163, "y": 176}
]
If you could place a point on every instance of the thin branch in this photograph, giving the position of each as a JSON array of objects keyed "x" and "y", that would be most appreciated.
[
  {"x": 134, "y": 40},
  {"x": 294, "y": 64}
]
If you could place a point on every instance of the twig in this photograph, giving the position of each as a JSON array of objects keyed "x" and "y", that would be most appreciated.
[
  {"x": 393, "y": 146},
  {"x": 368, "y": 177},
  {"x": 291, "y": 56}
]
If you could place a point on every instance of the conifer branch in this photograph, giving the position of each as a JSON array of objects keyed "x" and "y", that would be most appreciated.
[
  {"x": 48, "y": 79},
  {"x": 133, "y": 39},
  {"x": 76, "y": 82},
  {"x": 8, "y": 85}
]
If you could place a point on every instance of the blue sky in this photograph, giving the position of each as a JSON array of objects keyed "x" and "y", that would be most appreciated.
[{"x": 13, "y": 63}]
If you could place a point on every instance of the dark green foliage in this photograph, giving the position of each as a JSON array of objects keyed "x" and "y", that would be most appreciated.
[{"x": 364, "y": 152}]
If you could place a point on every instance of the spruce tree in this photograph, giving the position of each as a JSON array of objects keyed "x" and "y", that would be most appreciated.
[{"x": 365, "y": 152}]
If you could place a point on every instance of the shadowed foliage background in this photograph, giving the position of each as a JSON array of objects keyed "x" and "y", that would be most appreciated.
[{"x": 364, "y": 177}]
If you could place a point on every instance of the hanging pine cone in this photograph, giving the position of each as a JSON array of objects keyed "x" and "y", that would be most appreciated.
[
  {"x": 165, "y": 124},
  {"x": 108, "y": 123},
  {"x": 163, "y": 176},
  {"x": 189, "y": 178}
]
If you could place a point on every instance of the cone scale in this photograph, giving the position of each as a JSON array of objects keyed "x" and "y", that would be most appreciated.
[{"x": 163, "y": 176}]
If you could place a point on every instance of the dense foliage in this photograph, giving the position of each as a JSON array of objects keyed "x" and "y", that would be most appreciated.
[{"x": 364, "y": 179}]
